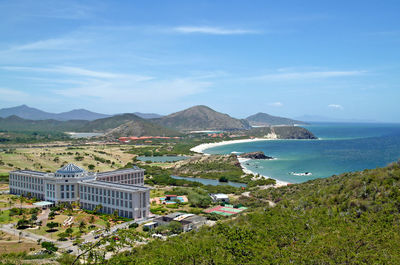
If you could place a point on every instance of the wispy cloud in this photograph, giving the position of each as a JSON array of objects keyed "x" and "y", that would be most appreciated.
[
  {"x": 12, "y": 95},
  {"x": 125, "y": 91},
  {"x": 213, "y": 30},
  {"x": 108, "y": 87},
  {"x": 335, "y": 106},
  {"x": 49, "y": 44},
  {"x": 307, "y": 75},
  {"x": 76, "y": 71},
  {"x": 276, "y": 104}
]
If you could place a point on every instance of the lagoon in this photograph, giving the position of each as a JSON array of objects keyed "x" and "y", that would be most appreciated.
[{"x": 211, "y": 181}]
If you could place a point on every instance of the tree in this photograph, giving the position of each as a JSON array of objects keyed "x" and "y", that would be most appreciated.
[
  {"x": 69, "y": 231},
  {"x": 49, "y": 246},
  {"x": 82, "y": 226},
  {"x": 175, "y": 227},
  {"x": 22, "y": 223},
  {"x": 33, "y": 218},
  {"x": 98, "y": 208},
  {"x": 115, "y": 215},
  {"x": 52, "y": 214},
  {"x": 108, "y": 225},
  {"x": 91, "y": 220},
  {"x": 62, "y": 236},
  {"x": 52, "y": 225},
  {"x": 91, "y": 167}
]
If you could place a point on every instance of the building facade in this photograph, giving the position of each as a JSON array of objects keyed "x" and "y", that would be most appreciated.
[{"x": 120, "y": 190}]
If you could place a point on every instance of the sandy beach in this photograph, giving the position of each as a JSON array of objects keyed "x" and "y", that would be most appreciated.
[{"x": 202, "y": 147}]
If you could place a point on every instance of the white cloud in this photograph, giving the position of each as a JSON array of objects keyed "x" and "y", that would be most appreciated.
[
  {"x": 213, "y": 30},
  {"x": 335, "y": 106},
  {"x": 276, "y": 104},
  {"x": 307, "y": 75}
]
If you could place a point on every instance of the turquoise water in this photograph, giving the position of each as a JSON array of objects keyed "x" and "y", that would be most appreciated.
[
  {"x": 161, "y": 159},
  {"x": 341, "y": 148}
]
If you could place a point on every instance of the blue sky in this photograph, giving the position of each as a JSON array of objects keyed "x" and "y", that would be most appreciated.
[{"x": 328, "y": 58}]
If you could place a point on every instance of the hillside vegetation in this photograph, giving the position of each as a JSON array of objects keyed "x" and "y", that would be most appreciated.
[
  {"x": 264, "y": 119},
  {"x": 353, "y": 218}
]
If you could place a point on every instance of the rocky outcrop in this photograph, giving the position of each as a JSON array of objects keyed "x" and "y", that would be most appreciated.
[{"x": 255, "y": 155}]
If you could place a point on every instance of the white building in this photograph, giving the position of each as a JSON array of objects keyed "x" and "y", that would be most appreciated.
[
  {"x": 120, "y": 190},
  {"x": 219, "y": 197}
]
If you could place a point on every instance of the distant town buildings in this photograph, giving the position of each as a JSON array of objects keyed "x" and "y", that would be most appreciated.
[{"x": 120, "y": 190}]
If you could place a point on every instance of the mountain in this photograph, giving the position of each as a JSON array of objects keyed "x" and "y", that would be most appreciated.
[
  {"x": 352, "y": 218},
  {"x": 118, "y": 125},
  {"x": 264, "y": 119},
  {"x": 148, "y": 115},
  {"x": 135, "y": 128},
  {"x": 15, "y": 123},
  {"x": 80, "y": 114},
  {"x": 29, "y": 113},
  {"x": 201, "y": 118},
  {"x": 127, "y": 125},
  {"x": 26, "y": 112}
]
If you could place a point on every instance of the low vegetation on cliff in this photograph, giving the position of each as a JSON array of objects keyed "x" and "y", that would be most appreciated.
[{"x": 353, "y": 218}]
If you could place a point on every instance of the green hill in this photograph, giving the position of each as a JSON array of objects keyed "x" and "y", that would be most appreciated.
[
  {"x": 141, "y": 128},
  {"x": 264, "y": 119},
  {"x": 118, "y": 125},
  {"x": 353, "y": 218},
  {"x": 14, "y": 123},
  {"x": 201, "y": 118}
]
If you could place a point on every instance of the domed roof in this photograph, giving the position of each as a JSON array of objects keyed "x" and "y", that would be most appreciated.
[{"x": 70, "y": 169}]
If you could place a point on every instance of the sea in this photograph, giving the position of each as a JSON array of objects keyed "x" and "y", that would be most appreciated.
[{"x": 340, "y": 147}]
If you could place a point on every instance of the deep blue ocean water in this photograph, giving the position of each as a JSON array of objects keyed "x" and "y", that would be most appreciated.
[{"x": 341, "y": 147}]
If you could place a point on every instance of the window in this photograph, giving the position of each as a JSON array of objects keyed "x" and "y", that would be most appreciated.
[
  {"x": 62, "y": 187},
  {"x": 67, "y": 187},
  {"x": 72, "y": 195},
  {"x": 67, "y": 195},
  {"x": 72, "y": 187},
  {"x": 62, "y": 195}
]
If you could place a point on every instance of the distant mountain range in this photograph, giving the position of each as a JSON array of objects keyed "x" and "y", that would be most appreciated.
[
  {"x": 30, "y": 113},
  {"x": 264, "y": 119},
  {"x": 24, "y": 118},
  {"x": 201, "y": 118}
]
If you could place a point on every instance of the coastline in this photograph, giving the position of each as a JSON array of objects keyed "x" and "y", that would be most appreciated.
[
  {"x": 279, "y": 183},
  {"x": 202, "y": 147}
]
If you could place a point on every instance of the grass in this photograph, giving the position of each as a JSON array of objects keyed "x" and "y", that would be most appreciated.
[
  {"x": 5, "y": 218},
  {"x": 52, "y": 158},
  {"x": 9, "y": 244}
]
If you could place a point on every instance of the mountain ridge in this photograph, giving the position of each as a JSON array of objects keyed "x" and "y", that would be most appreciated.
[
  {"x": 264, "y": 119},
  {"x": 201, "y": 117},
  {"x": 29, "y": 113}
]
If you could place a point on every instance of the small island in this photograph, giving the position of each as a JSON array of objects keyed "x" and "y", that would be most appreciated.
[{"x": 255, "y": 155}]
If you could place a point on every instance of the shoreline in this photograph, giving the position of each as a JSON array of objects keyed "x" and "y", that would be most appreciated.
[
  {"x": 202, "y": 147},
  {"x": 279, "y": 183}
]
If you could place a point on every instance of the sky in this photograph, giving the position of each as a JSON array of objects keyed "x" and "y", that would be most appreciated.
[{"x": 338, "y": 59}]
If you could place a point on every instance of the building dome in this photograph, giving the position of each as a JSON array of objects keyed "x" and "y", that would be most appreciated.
[{"x": 70, "y": 169}]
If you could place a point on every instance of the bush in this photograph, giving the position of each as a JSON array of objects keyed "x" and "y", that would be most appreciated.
[{"x": 133, "y": 225}]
